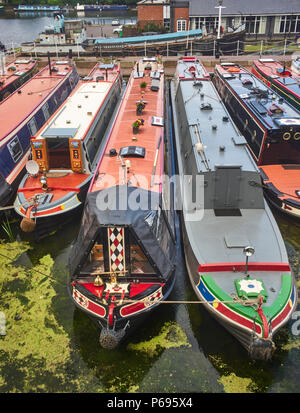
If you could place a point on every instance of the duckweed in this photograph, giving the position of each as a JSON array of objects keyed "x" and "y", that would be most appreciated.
[
  {"x": 235, "y": 384},
  {"x": 170, "y": 336}
]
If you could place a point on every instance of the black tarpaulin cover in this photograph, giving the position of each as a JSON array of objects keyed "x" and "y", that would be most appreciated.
[{"x": 95, "y": 217}]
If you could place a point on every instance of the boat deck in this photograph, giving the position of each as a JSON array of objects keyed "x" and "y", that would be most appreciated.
[
  {"x": 226, "y": 236},
  {"x": 285, "y": 178},
  {"x": 23, "y": 101},
  {"x": 62, "y": 185},
  {"x": 21, "y": 68},
  {"x": 148, "y": 136}
]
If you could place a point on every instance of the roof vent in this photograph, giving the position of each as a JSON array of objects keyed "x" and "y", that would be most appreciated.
[
  {"x": 206, "y": 106},
  {"x": 112, "y": 152}
]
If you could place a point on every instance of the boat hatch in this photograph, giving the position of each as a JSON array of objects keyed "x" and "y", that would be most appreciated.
[
  {"x": 59, "y": 132},
  {"x": 116, "y": 251},
  {"x": 138, "y": 75},
  {"x": 259, "y": 108},
  {"x": 133, "y": 151}
]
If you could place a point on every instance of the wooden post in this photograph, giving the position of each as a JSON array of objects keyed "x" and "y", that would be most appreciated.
[
  {"x": 261, "y": 47},
  {"x": 238, "y": 47}
]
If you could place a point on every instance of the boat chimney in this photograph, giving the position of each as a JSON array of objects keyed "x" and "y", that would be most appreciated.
[
  {"x": 49, "y": 63},
  {"x": 2, "y": 58},
  {"x": 248, "y": 251}
]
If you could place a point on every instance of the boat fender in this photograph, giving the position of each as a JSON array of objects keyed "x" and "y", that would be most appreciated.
[
  {"x": 27, "y": 224},
  {"x": 109, "y": 339}
]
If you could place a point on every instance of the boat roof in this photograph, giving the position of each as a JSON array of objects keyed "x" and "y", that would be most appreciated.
[
  {"x": 207, "y": 116},
  {"x": 151, "y": 38},
  {"x": 76, "y": 114},
  {"x": 279, "y": 74},
  {"x": 17, "y": 107},
  {"x": 190, "y": 68},
  {"x": 258, "y": 97},
  {"x": 19, "y": 66},
  {"x": 145, "y": 143}
]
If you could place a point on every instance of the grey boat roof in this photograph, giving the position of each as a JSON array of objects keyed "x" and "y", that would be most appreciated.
[{"x": 211, "y": 125}]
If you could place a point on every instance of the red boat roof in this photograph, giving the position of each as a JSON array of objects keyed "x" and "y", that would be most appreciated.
[
  {"x": 14, "y": 70},
  {"x": 140, "y": 172},
  {"x": 279, "y": 74},
  {"x": 17, "y": 107}
]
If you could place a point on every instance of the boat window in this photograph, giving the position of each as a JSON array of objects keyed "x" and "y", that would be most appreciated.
[
  {"x": 15, "y": 148},
  {"x": 32, "y": 127},
  {"x": 45, "y": 110},
  {"x": 58, "y": 153},
  {"x": 96, "y": 257},
  {"x": 139, "y": 263}
]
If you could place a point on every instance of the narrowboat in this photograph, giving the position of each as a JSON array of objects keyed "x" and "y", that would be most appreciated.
[
  {"x": 122, "y": 265},
  {"x": 65, "y": 152},
  {"x": 279, "y": 78},
  {"x": 271, "y": 127},
  {"x": 226, "y": 220},
  {"x": 23, "y": 113},
  {"x": 14, "y": 74},
  {"x": 295, "y": 66}
]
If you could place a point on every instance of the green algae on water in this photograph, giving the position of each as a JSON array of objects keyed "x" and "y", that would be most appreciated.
[
  {"x": 235, "y": 384},
  {"x": 32, "y": 332},
  {"x": 170, "y": 336}
]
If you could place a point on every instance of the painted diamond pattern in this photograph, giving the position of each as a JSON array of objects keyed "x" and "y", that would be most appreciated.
[{"x": 116, "y": 248}]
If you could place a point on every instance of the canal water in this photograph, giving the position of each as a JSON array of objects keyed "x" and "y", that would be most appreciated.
[
  {"x": 50, "y": 346},
  {"x": 26, "y": 27}
]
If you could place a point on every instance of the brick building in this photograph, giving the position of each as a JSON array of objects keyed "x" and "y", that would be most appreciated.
[{"x": 173, "y": 15}]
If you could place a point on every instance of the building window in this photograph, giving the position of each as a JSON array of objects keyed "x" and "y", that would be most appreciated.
[
  {"x": 181, "y": 25},
  {"x": 252, "y": 24},
  {"x": 289, "y": 24}
]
